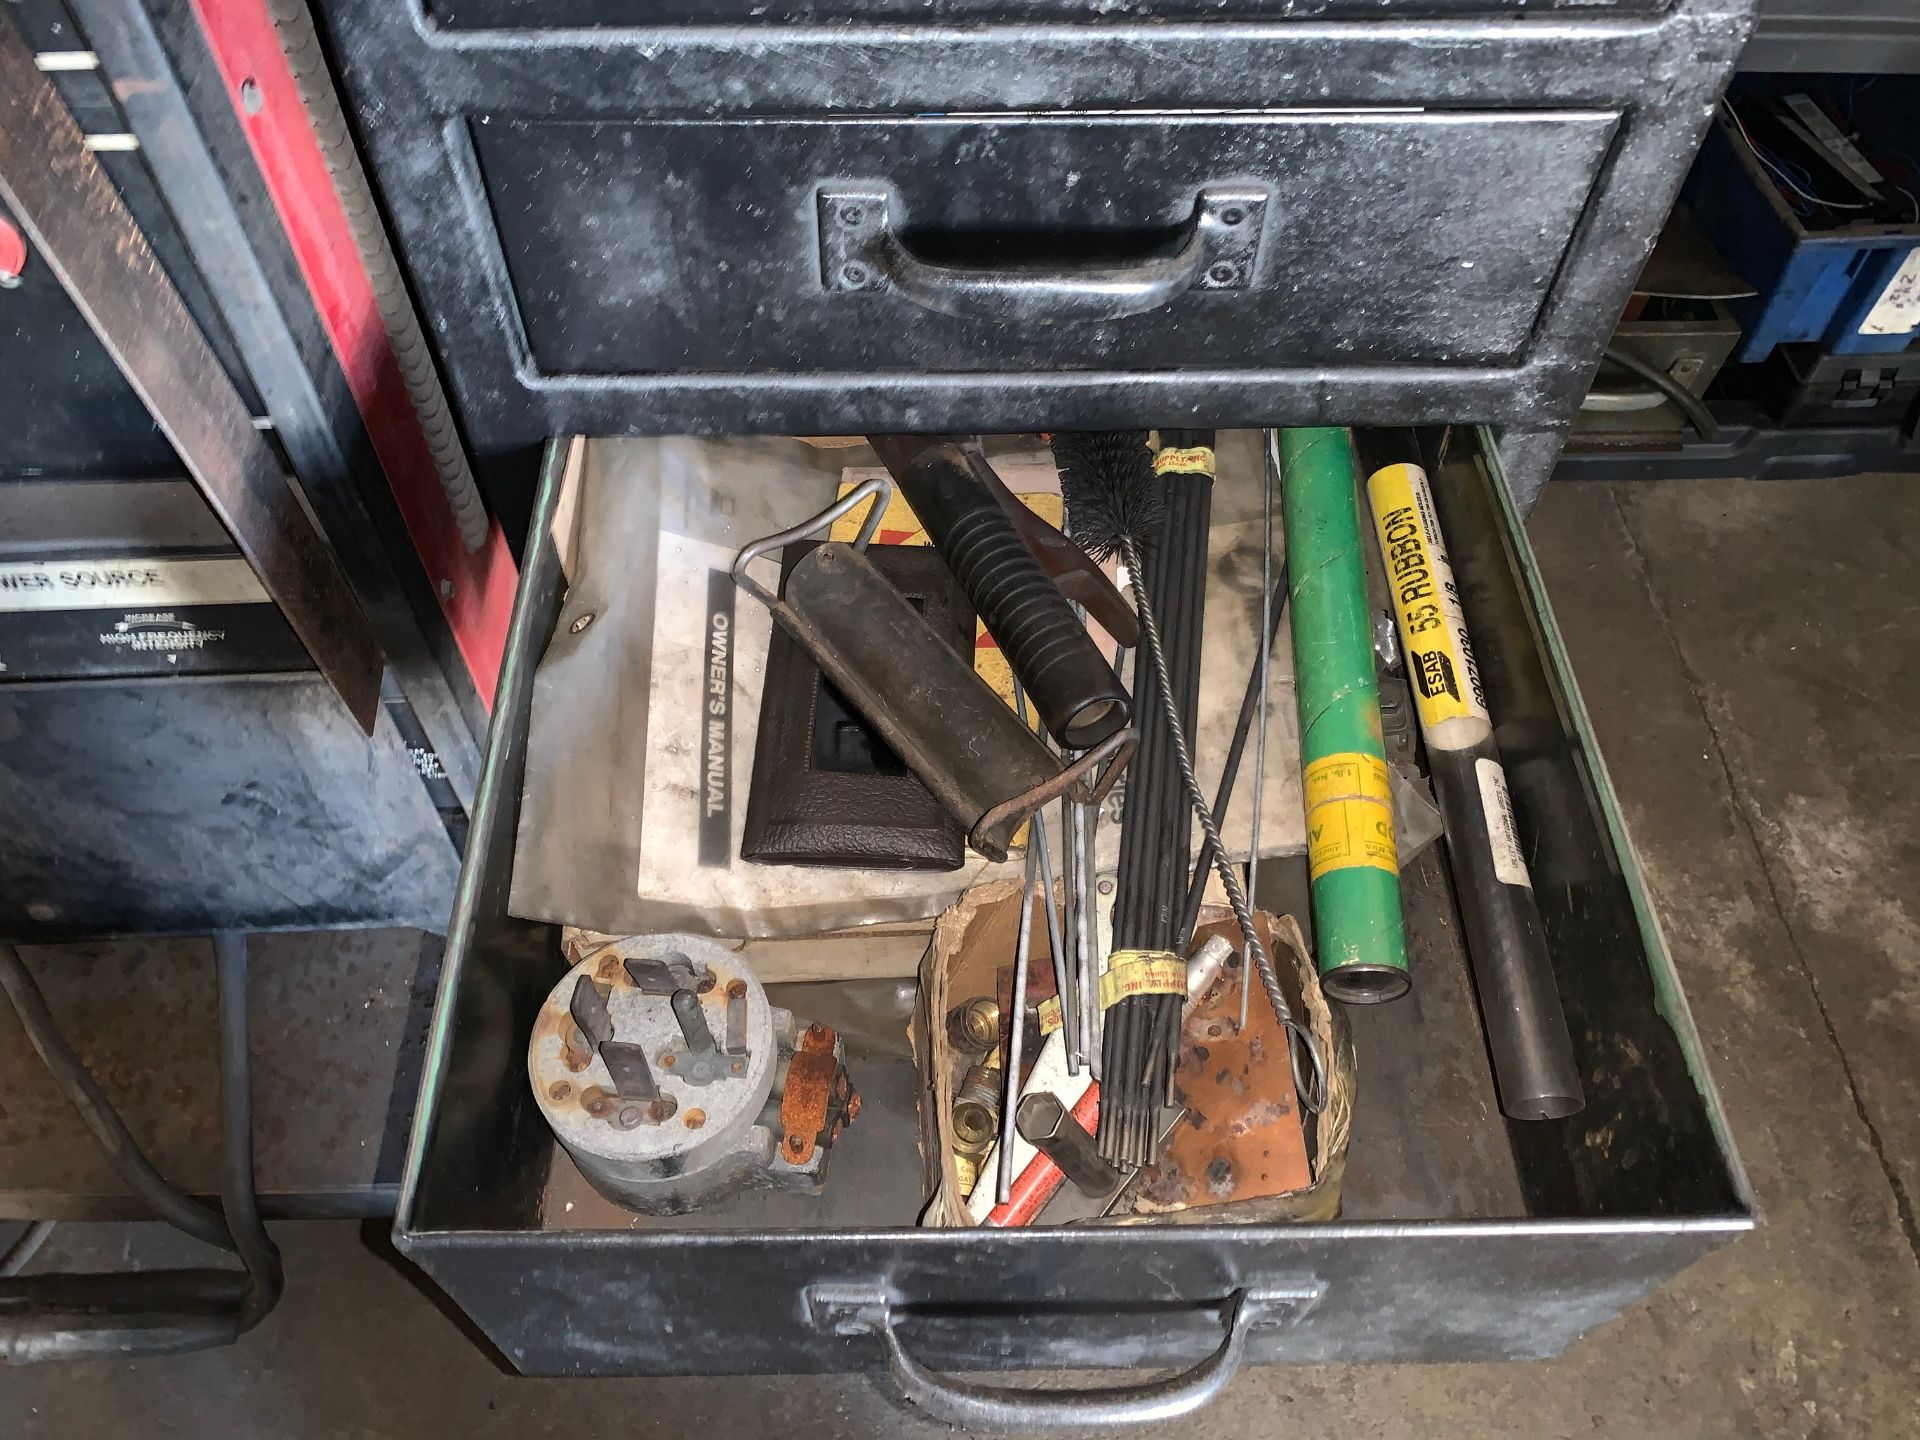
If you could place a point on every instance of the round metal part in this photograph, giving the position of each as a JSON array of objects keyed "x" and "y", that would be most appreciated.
[
  {"x": 976, "y": 1108},
  {"x": 974, "y": 1025},
  {"x": 655, "y": 1088}
]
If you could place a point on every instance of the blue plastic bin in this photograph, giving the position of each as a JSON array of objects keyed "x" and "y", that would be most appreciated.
[{"x": 1815, "y": 285}]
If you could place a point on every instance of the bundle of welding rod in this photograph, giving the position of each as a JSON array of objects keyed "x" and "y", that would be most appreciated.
[{"x": 1140, "y": 1042}]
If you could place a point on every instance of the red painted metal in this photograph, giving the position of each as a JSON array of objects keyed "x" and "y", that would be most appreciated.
[
  {"x": 476, "y": 589},
  {"x": 13, "y": 251},
  {"x": 1034, "y": 1186}
]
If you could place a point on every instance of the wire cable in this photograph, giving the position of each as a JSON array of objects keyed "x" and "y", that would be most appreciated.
[
  {"x": 1690, "y": 404},
  {"x": 96, "y": 1112},
  {"x": 20, "y": 1254},
  {"x": 237, "y": 1196},
  {"x": 1778, "y": 167}
]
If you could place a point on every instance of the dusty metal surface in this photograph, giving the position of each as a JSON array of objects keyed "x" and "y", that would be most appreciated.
[
  {"x": 339, "y": 1023},
  {"x": 57, "y": 191},
  {"x": 188, "y": 805}
]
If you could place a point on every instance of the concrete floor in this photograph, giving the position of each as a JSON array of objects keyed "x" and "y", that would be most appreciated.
[{"x": 1744, "y": 650}]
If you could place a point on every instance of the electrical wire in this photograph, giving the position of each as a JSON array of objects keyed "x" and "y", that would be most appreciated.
[
  {"x": 96, "y": 1112},
  {"x": 148, "y": 1312},
  {"x": 257, "y": 1252},
  {"x": 1690, "y": 404},
  {"x": 20, "y": 1254},
  {"x": 1778, "y": 167}
]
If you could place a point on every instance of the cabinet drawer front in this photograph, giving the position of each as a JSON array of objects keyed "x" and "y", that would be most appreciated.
[
  {"x": 1383, "y": 237},
  {"x": 458, "y": 15}
]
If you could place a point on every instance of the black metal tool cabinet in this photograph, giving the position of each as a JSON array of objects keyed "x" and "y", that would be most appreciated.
[
  {"x": 167, "y": 764},
  {"x": 658, "y": 218}
]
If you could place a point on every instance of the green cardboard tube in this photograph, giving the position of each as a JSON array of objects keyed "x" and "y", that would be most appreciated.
[{"x": 1359, "y": 939}]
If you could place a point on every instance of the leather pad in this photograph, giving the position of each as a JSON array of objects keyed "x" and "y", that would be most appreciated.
[{"x": 827, "y": 790}]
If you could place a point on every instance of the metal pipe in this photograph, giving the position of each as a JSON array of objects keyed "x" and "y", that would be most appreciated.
[
  {"x": 1533, "y": 1060},
  {"x": 1016, "y": 1030},
  {"x": 1359, "y": 934},
  {"x": 1045, "y": 1124}
]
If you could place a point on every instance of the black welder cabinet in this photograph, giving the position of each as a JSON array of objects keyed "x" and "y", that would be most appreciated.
[
  {"x": 173, "y": 759},
  {"x": 650, "y": 217}
]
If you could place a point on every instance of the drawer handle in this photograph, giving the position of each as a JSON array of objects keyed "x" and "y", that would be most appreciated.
[
  {"x": 969, "y": 1404},
  {"x": 861, "y": 253}
]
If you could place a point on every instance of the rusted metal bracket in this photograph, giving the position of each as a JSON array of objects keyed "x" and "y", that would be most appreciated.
[{"x": 818, "y": 1100}]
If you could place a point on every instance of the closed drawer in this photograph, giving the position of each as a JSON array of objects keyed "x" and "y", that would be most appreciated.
[
  {"x": 610, "y": 208},
  {"x": 973, "y": 244},
  {"x": 457, "y": 15},
  {"x": 1463, "y": 1237}
]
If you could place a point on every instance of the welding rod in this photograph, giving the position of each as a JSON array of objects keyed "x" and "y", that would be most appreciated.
[
  {"x": 1269, "y": 463},
  {"x": 1066, "y": 958},
  {"x": 1230, "y": 771},
  {"x": 1016, "y": 1029},
  {"x": 1087, "y": 819}
]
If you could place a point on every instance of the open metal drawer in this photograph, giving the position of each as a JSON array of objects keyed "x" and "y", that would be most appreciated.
[{"x": 1534, "y": 1234}]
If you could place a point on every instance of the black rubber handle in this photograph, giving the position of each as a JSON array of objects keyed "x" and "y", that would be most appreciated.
[{"x": 1080, "y": 700}]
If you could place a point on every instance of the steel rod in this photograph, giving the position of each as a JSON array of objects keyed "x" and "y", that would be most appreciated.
[
  {"x": 1016, "y": 1030},
  {"x": 1268, "y": 462}
]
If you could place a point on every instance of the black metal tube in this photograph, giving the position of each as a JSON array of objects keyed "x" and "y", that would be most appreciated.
[
  {"x": 1047, "y": 1125},
  {"x": 1533, "y": 1061},
  {"x": 1080, "y": 700}
]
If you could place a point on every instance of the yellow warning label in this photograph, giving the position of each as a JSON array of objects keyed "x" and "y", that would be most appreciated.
[
  {"x": 1049, "y": 1011},
  {"x": 1352, "y": 774},
  {"x": 1433, "y": 630},
  {"x": 1349, "y": 814},
  {"x": 1193, "y": 460},
  {"x": 1141, "y": 972}
]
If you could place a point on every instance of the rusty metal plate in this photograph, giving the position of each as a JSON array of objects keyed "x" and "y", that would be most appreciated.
[
  {"x": 818, "y": 1100},
  {"x": 1241, "y": 1137}
]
